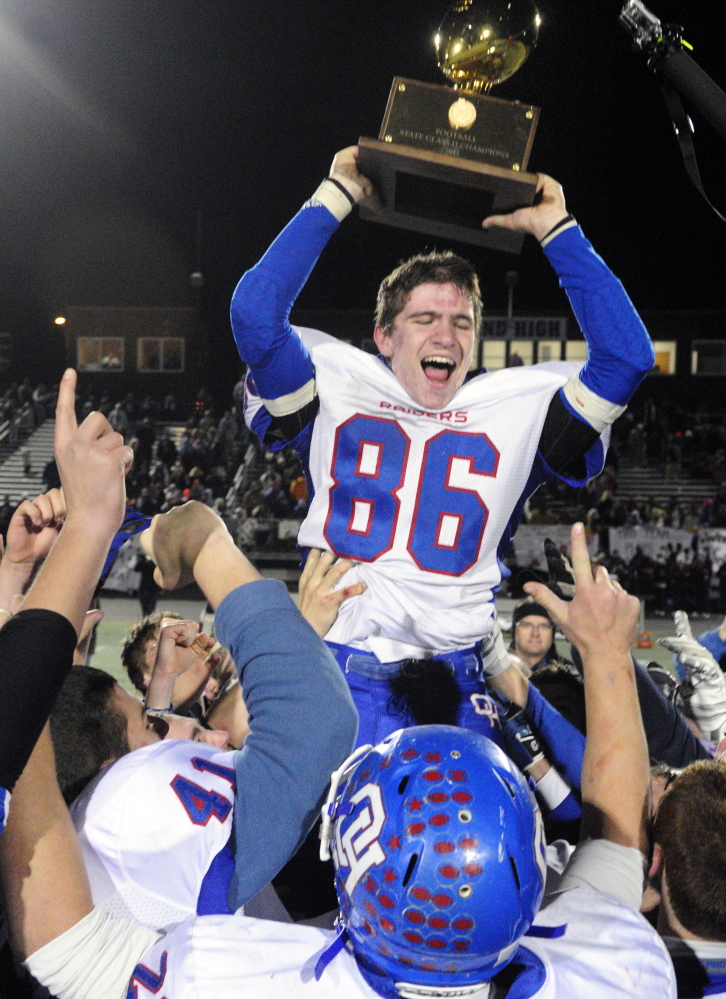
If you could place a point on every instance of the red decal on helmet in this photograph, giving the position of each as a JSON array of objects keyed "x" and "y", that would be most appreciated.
[
  {"x": 473, "y": 869},
  {"x": 421, "y": 894},
  {"x": 449, "y": 871},
  {"x": 440, "y": 819},
  {"x": 433, "y": 775},
  {"x": 444, "y": 846},
  {"x": 414, "y": 916},
  {"x": 437, "y": 798},
  {"x": 442, "y": 901},
  {"x": 415, "y": 828},
  {"x": 461, "y": 797},
  {"x": 438, "y": 923}
]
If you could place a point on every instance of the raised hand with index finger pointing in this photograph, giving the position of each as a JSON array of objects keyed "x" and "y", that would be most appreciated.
[{"x": 92, "y": 462}]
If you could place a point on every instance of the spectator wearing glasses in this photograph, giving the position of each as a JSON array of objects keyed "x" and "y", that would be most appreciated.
[{"x": 533, "y": 637}]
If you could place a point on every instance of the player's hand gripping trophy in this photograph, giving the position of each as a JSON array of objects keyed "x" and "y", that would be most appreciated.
[{"x": 444, "y": 160}]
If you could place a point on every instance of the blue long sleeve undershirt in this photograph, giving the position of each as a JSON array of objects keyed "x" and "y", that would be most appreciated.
[
  {"x": 620, "y": 352},
  {"x": 565, "y": 742},
  {"x": 302, "y": 726}
]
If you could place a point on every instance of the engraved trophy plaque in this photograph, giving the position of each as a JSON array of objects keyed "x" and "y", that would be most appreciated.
[{"x": 447, "y": 157}]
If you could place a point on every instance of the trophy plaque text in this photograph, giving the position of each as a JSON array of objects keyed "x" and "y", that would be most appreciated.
[{"x": 446, "y": 158}]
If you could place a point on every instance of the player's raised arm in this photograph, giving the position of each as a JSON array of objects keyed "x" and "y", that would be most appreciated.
[
  {"x": 303, "y": 722},
  {"x": 600, "y": 622},
  {"x": 281, "y": 398},
  {"x": 620, "y": 352},
  {"x": 37, "y": 645}
]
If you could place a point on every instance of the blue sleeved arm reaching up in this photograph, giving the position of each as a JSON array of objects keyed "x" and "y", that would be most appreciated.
[
  {"x": 620, "y": 352},
  {"x": 620, "y": 355},
  {"x": 261, "y": 304},
  {"x": 302, "y": 726}
]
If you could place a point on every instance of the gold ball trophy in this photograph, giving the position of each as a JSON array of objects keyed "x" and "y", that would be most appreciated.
[{"x": 446, "y": 158}]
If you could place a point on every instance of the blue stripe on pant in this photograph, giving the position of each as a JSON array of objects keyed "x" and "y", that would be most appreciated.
[{"x": 380, "y": 712}]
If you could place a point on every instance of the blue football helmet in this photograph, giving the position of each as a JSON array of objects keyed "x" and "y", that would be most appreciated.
[{"x": 439, "y": 855}]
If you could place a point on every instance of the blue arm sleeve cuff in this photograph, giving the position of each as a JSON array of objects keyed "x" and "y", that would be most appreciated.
[
  {"x": 620, "y": 351},
  {"x": 566, "y": 743},
  {"x": 302, "y": 725},
  {"x": 568, "y": 810},
  {"x": 265, "y": 295}
]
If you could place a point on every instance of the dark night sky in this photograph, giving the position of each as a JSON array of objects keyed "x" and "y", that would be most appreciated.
[{"x": 122, "y": 119}]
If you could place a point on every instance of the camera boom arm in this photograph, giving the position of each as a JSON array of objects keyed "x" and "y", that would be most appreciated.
[{"x": 680, "y": 74}]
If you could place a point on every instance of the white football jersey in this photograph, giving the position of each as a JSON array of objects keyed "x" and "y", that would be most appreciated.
[
  {"x": 608, "y": 951},
  {"x": 422, "y": 501},
  {"x": 150, "y": 826}
]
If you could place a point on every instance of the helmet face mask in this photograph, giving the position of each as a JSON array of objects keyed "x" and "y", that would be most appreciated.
[{"x": 439, "y": 859}]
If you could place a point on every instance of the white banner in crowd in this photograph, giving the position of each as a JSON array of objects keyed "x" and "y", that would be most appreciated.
[
  {"x": 714, "y": 540},
  {"x": 529, "y": 542},
  {"x": 653, "y": 541}
]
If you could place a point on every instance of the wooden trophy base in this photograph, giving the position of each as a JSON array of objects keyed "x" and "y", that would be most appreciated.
[{"x": 442, "y": 195}]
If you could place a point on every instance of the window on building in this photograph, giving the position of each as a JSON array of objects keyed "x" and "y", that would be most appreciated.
[
  {"x": 96, "y": 353},
  {"x": 522, "y": 349},
  {"x": 160, "y": 354},
  {"x": 576, "y": 350},
  {"x": 549, "y": 350},
  {"x": 708, "y": 357},
  {"x": 494, "y": 354},
  {"x": 665, "y": 357}
]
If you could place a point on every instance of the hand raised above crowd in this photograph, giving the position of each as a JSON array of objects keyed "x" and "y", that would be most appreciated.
[
  {"x": 92, "y": 462},
  {"x": 32, "y": 531},
  {"x": 34, "y": 527},
  {"x": 175, "y": 540},
  {"x": 183, "y": 652}
]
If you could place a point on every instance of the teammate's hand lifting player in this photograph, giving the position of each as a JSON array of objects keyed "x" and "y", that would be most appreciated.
[{"x": 318, "y": 599}]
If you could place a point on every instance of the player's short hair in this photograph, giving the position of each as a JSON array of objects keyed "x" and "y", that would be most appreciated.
[
  {"x": 134, "y": 647},
  {"x": 690, "y": 829},
  {"x": 424, "y": 268},
  {"x": 86, "y": 727}
]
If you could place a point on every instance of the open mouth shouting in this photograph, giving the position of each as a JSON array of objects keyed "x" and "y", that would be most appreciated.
[{"x": 438, "y": 368}]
